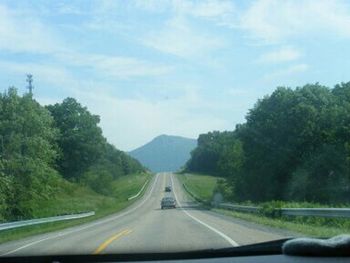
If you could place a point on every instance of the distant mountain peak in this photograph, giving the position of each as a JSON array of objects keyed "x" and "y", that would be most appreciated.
[
  {"x": 165, "y": 152},
  {"x": 171, "y": 136}
]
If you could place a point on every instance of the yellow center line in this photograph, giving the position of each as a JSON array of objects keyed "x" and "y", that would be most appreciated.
[{"x": 110, "y": 240}]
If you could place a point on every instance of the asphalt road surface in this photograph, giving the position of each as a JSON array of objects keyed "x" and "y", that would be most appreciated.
[{"x": 144, "y": 227}]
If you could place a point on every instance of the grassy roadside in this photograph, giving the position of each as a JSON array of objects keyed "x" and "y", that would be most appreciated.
[
  {"x": 201, "y": 186},
  {"x": 78, "y": 199},
  {"x": 302, "y": 228}
]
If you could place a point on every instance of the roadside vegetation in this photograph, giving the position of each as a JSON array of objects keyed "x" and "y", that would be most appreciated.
[
  {"x": 292, "y": 151},
  {"x": 294, "y": 147},
  {"x": 303, "y": 226},
  {"x": 54, "y": 160},
  {"x": 76, "y": 199},
  {"x": 204, "y": 187}
]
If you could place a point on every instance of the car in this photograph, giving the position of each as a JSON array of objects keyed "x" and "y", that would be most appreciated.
[
  {"x": 168, "y": 189},
  {"x": 168, "y": 202}
]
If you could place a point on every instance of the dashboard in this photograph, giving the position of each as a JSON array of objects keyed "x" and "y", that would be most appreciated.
[{"x": 148, "y": 259}]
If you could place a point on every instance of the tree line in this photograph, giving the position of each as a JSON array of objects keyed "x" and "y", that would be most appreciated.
[
  {"x": 41, "y": 146},
  {"x": 294, "y": 146}
]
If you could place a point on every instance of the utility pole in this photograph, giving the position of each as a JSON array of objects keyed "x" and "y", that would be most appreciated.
[{"x": 30, "y": 85}]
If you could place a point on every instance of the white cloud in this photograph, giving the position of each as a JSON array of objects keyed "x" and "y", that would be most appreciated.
[
  {"x": 42, "y": 72},
  {"x": 204, "y": 9},
  {"x": 268, "y": 20},
  {"x": 152, "y": 5},
  {"x": 295, "y": 69},
  {"x": 20, "y": 33},
  {"x": 178, "y": 38},
  {"x": 114, "y": 66},
  {"x": 275, "y": 21},
  {"x": 25, "y": 33},
  {"x": 129, "y": 123},
  {"x": 221, "y": 12},
  {"x": 69, "y": 9},
  {"x": 283, "y": 54}
]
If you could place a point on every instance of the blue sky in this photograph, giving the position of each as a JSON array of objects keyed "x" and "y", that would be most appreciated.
[{"x": 171, "y": 67}]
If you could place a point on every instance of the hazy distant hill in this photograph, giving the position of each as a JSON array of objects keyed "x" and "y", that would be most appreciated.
[{"x": 165, "y": 153}]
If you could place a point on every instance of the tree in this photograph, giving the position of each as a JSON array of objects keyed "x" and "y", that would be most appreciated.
[
  {"x": 111, "y": 165},
  {"x": 28, "y": 151},
  {"x": 80, "y": 141},
  {"x": 295, "y": 145}
]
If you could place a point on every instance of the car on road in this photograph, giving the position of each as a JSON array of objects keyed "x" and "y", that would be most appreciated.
[
  {"x": 168, "y": 189},
  {"x": 168, "y": 202}
]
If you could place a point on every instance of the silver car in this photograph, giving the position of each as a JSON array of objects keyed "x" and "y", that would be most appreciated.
[{"x": 168, "y": 202}]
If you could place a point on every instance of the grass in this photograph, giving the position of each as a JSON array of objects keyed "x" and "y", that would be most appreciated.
[
  {"x": 128, "y": 186},
  {"x": 75, "y": 199},
  {"x": 291, "y": 204},
  {"x": 303, "y": 228},
  {"x": 201, "y": 186}
]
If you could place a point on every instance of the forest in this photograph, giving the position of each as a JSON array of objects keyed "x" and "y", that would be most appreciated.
[
  {"x": 42, "y": 145},
  {"x": 293, "y": 146}
]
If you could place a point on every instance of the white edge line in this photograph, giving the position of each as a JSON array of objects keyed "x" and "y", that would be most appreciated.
[
  {"x": 228, "y": 239},
  {"x": 84, "y": 227},
  {"x": 132, "y": 197}
]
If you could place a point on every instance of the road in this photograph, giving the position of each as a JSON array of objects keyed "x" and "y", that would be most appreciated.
[{"x": 144, "y": 227}]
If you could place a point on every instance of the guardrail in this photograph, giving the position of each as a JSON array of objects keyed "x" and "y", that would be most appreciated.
[
  {"x": 321, "y": 212},
  {"x": 30, "y": 222},
  {"x": 317, "y": 212},
  {"x": 241, "y": 208},
  {"x": 134, "y": 196}
]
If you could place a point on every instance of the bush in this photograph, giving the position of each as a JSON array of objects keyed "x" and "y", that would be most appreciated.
[
  {"x": 99, "y": 181},
  {"x": 271, "y": 209}
]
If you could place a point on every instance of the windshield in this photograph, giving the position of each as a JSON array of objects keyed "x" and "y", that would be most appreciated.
[{"x": 235, "y": 114}]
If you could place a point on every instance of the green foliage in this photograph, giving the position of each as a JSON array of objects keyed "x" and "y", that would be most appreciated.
[
  {"x": 72, "y": 198},
  {"x": 28, "y": 151},
  {"x": 218, "y": 153},
  {"x": 37, "y": 141},
  {"x": 295, "y": 145},
  {"x": 271, "y": 209},
  {"x": 110, "y": 166},
  {"x": 80, "y": 141},
  {"x": 322, "y": 177},
  {"x": 99, "y": 181},
  {"x": 86, "y": 155},
  {"x": 305, "y": 226},
  {"x": 223, "y": 187}
]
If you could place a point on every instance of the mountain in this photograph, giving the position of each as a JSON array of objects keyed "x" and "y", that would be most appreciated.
[{"x": 165, "y": 153}]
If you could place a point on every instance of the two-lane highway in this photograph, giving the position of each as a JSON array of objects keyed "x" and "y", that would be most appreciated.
[{"x": 144, "y": 227}]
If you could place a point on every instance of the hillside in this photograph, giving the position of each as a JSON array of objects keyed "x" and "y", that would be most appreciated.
[
  {"x": 43, "y": 146},
  {"x": 165, "y": 153}
]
